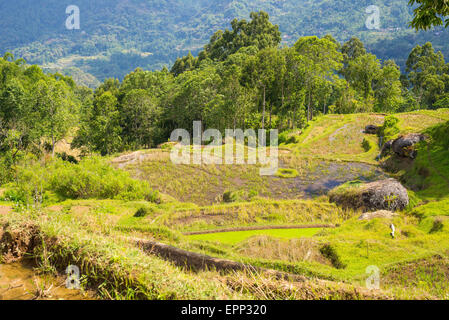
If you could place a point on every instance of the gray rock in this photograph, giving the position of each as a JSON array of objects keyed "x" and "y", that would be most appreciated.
[
  {"x": 371, "y": 129},
  {"x": 404, "y": 145},
  {"x": 386, "y": 194}
]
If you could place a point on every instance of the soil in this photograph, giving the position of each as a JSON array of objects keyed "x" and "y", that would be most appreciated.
[
  {"x": 327, "y": 176},
  {"x": 18, "y": 281},
  {"x": 5, "y": 210}
]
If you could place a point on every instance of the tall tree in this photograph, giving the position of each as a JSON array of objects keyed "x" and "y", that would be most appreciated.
[
  {"x": 54, "y": 103},
  {"x": 425, "y": 71},
  {"x": 430, "y": 13},
  {"x": 322, "y": 60},
  {"x": 139, "y": 117},
  {"x": 388, "y": 88},
  {"x": 361, "y": 72}
]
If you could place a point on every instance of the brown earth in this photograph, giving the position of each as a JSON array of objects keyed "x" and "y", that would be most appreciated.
[
  {"x": 18, "y": 281},
  {"x": 5, "y": 209},
  {"x": 16, "y": 243},
  {"x": 196, "y": 261}
]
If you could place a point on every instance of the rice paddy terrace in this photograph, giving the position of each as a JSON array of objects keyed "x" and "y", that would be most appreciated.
[{"x": 225, "y": 232}]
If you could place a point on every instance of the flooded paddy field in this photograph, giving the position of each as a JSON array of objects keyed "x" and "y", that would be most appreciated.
[{"x": 20, "y": 281}]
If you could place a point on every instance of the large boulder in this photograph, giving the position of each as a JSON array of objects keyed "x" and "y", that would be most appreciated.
[
  {"x": 371, "y": 129},
  {"x": 404, "y": 146},
  {"x": 386, "y": 194}
]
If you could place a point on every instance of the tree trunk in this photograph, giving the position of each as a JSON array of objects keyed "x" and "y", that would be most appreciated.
[
  {"x": 308, "y": 107},
  {"x": 52, "y": 145},
  {"x": 263, "y": 112},
  {"x": 294, "y": 117},
  {"x": 271, "y": 112}
]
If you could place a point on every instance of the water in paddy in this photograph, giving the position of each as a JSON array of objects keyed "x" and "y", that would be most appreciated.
[
  {"x": 18, "y": 281},
  {"x": 322, "y": 178}
]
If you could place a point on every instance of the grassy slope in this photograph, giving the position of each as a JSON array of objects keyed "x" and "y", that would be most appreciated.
[
  {"x": 239, "y": 236},
  {"x": 98, "y": 227}
]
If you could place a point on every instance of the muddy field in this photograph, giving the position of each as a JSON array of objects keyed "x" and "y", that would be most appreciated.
[{"x": 19, "y": 281}]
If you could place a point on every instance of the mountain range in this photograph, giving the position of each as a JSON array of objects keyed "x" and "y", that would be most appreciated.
[{"x": 117, "y": 36}]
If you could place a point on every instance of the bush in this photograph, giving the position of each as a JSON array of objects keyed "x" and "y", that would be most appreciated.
[
  {"x": 232, "y": 196},
  {"x": 330, "y": 253},
  {"x": 366, "y": 145},
  {"x": 390, "y": 128},
  {"x": 287, "y": 173},
  {"x": 142, "y": 212},
  {"x": 67, "y": 157},
  {"x": 287, "y": 137},
  {"x": 89, "y": 179}
]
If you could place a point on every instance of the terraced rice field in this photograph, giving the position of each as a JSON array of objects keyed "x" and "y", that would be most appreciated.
[{"x": 239, "y": 236}]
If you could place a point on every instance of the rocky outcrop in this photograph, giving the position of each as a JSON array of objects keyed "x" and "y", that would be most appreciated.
[
  {"x": 386, "y": 194},
  {"x": 371, "y": 129},
  {"x": 404, "y": 146},
  {"x": 382, "y": 214}
]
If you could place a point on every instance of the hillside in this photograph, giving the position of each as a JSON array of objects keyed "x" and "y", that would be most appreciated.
[
  {"x": 122, "y": 242},
  {"x": 117, "y": 36},
  {"x": 332, "y": 184}
]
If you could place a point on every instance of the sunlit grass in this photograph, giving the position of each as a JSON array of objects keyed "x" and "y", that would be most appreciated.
[{"x": 239, "y": 236}]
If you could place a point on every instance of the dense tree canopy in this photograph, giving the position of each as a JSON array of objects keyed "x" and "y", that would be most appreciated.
[
  {"x": 430, "y": 13},
  {"x": 251, "y": 83}
]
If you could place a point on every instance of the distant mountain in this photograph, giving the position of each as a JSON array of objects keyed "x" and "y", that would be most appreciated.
[{"x": 116, "y": 36}]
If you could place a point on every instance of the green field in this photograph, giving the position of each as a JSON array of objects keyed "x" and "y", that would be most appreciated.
[{"x": 239, "y": 236}]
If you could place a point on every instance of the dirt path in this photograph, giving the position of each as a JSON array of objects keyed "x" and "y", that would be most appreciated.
[{"x": 323, "y": 226}]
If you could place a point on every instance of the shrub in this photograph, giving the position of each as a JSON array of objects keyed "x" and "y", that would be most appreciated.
[
  {"x": 390, "y": 128},
  {"x": 67, "y": 157},
  {"x": 288, "y": 137},
  {"x": 437, "y": 225},
  {"x": 366, "y": 145},
  {"x": 287, "y": 173},
  {"x": 330, "y": 253},
  {"x": 232, "y": 196},
  {"x": 142, "y": 212},
  {"x": 91, "y": 178}
]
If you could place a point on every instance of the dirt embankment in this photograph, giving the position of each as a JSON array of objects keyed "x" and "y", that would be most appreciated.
[
  {"x": 189, "y": 259},
  {"x": 15, "y": 243},
  {"x": 196, "y": 261}
]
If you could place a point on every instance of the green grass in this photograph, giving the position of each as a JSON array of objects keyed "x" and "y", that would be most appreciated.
[
  {"x": 287, "y": 173},
  {"x": 239, "y": 236},
  {"x": 91, "y": 232}
]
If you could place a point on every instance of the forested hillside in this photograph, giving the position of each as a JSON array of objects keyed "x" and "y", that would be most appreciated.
[
  {"x": 116, "y": 36},
  {"x": 242, "y": 79},
  {"x": 90, "y": 189}
]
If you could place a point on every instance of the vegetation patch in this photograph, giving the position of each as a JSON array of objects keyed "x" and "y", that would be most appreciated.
[
  {"x": 239, "y": 236},
  {"x": 329, "y": 252},
  {"x": 426, "y": 277},
  {"x": 287, "y": 173},
  {"x": 91, "y": 178}
]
